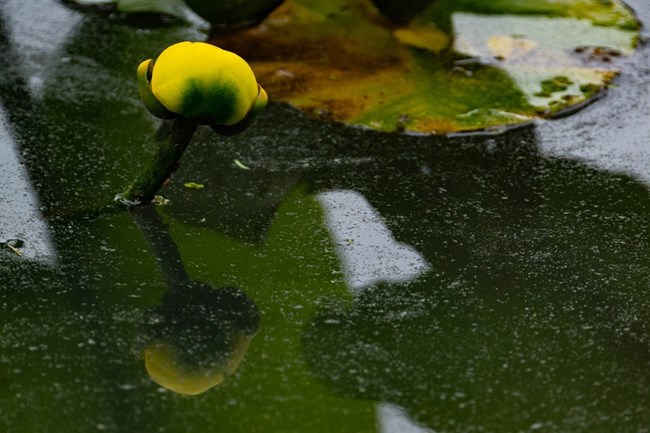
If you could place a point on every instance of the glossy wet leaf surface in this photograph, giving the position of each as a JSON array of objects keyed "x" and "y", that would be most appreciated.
[
  {"x": 457, "y": 66},
  {"x": 447, "y": 284}
]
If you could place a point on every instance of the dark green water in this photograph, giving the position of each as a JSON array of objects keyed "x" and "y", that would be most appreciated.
[{"x": 399, "y": 284}]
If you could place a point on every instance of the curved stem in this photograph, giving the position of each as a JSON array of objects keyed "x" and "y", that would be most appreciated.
[{"x": 163, "y": 164}]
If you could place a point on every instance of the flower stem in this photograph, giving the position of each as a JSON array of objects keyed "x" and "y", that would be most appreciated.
[{"x": 163, "y": 164}]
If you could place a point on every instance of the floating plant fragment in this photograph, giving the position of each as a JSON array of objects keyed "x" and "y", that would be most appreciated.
[
  {"x": 456, "y": 66},
  {"x": 241, "y": 165},
  {"x": 13, "y": 246},
  {"x": 193, "y": 185}
]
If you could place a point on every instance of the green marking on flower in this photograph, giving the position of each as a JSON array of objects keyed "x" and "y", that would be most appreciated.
[{"x": 217, "y": 104}]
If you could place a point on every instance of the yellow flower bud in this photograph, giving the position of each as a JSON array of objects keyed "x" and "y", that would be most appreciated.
[{"x": 200, "y": 82}]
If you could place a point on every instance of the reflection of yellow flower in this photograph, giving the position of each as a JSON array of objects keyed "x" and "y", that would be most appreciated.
[
  {"x": 200, "y": 82},
  {"x": 167, "y": 369}
]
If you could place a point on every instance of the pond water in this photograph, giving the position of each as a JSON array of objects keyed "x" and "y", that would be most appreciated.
[{"x": 369, "y": 282}]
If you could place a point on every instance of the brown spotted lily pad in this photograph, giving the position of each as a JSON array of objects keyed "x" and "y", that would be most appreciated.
[{"x": 459, "y": 65}]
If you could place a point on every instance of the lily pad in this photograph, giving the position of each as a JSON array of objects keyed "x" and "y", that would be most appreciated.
[{"x": 456, "y": 66}]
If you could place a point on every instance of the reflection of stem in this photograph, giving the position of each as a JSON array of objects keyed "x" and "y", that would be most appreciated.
[
  {"x": 162, "y": 245},
  {"x": 163, "y": 164},
  {"x": 199, "y": 334}
]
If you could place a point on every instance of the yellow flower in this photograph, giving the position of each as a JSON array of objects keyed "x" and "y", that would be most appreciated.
[{"x": 203, "y": 83}]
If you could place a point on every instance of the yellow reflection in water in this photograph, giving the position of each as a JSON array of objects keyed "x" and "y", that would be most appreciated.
[{"x": 164, "y": 367}]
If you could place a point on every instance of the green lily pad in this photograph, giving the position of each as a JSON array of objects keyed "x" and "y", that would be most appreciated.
[{"x": 456, "y": 66}]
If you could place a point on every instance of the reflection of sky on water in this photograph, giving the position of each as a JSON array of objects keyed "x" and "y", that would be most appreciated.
[
  {"x": 370, "y": 254},
  {"x": 38, "y": 29},
  {"x": 19, "y": 214},
  {"x": 367, "y": 249},
  {"x": 393, "y": 419},
  {"x": 604, "y": 135}
]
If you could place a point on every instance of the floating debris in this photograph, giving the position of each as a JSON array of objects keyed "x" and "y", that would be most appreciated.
[
  {"x": 239, "y": 164},
  {"x": 193, "y": 185}
]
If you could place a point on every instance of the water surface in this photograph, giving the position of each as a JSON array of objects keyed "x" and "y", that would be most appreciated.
[{"x": 385, "y": 283}]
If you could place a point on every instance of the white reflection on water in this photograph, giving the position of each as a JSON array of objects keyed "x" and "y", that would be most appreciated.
[
  {"x": 366, "y": 247},
  {"x": 19, "y": 209},
  {"x": 370, "y": 254},
  {"x": 393, "y": 419},
  {"x": 613, "y": 133},
  {"x": 38, "y": 30}
]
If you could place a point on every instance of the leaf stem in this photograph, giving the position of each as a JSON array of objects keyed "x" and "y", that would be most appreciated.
[{"x": 163, "y": 164}]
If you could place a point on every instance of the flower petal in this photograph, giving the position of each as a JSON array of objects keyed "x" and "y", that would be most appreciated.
[{"x": 146, "y": 95}]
